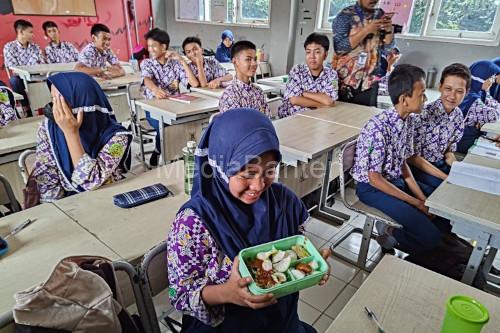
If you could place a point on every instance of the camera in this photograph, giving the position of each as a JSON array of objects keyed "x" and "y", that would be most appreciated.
[{"x": 396, "y": 29}]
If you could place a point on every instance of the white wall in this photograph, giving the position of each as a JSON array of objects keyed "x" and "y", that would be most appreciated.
[
  {"x": 274, "y": 39},
  {"x": 293, "y": 20}
]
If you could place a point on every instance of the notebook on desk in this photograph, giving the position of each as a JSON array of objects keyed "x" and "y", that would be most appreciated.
[
  {"x": 485, "y": 147},
  {"x": 183, "y": 98},
  {"x": 476, "y": 177}
]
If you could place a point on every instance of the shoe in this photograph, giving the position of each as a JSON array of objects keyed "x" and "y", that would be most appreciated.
[
  {"x": 153, "y": 160},
  {"x": 385, "y": 240}
]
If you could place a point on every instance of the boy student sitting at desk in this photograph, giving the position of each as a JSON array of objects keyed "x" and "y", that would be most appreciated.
[
  {"x": 162, "y": 73},
  {"x": 310, "y": 85},
  {"x": 22, "y": 52},
  {"x": 58, "y": 51},
  {"x": 385, "y": 181},
  {"x": 208, "y": 71},
  {"x": 242, "y": 93},
  {"x": 94, "y": 58},
  {"x": 441, "y": 126}
]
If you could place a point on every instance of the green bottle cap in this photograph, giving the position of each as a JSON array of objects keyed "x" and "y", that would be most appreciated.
[{"x": 468, "y": 309}]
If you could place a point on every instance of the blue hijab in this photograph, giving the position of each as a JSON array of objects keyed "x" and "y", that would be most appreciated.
[
  {"x": 99, "y": 125},
  {"x": 495, "y": 92},
  {"x": 480, "y": 72},
  {"x": 232, "y": 140},
  {"x": 223, "y": 53}
]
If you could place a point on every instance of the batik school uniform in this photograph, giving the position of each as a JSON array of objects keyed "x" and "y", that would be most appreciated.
[
  {"x": 383, "y": 146},
  {"x": 64, "y": 52},
  {"x": 213, "y": 69},
  {"x": 243, "y": 95},
  {"x": 89, "y": 173},
  {"x": 7, "y": 112},
  {"x": 15, "y": 54},
  {"x": 479, "y": 113},
  {"x": 300, "y": 80},
  {"x": 167, "y": 77},
  {"x": 91, "y": 57},
  {"x": 437, "y": 132}
]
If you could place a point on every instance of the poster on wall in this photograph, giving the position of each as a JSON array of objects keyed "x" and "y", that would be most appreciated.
[
  {"x": 219, "y": 10},
  {"x": 54, "y": 7},
  {"x": 189, "y": 9},
  {"x": 401, "y": 8}
]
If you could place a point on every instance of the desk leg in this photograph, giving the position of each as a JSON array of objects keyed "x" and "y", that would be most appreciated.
[
  {"x": 323, "y": 209},
  {"x": 476, "y": 257},
  {"x": 161, "y": 126}
]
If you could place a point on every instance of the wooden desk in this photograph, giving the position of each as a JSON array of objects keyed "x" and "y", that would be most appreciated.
[
  {"x": 493, "y": 128},
  {"x": 118, "y": 92},
  {"x": 37, "y": 72},
  {"x": 344, "y": 114},
  {"x": 189, "y": 120},
  {"x": 474, "y": 214},
  {"x": 275, "y": 81},
  {"x": 303, "y": 139},
  {"x": 129, "y": 232},
  {"x": 35, "y": 250},
  {"x": 217, "y": 93},
  {"x": 407, "y": 298},
  {"x": 16, "y": 137},
  {"x": 121, "y": 81}
]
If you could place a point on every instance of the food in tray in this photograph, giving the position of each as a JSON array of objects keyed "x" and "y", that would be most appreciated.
[{"x": 275, "y": 267}]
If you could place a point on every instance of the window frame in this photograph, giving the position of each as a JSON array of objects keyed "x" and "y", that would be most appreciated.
[
  {"x": 428, "y": 32},
  {"x": 239, "y": 20}
]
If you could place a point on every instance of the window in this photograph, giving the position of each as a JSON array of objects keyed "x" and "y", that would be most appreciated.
[
  {"x": 465, "y": 21},
  {"x": 233, "y": 12}
]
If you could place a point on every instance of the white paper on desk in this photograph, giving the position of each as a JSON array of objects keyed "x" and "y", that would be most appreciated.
[
  {"x": 476, "y": 177},
  {"x": 481, "y": 151}
]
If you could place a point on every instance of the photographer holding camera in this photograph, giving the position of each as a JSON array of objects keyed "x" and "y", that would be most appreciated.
[{"x": 360, "y": 33}]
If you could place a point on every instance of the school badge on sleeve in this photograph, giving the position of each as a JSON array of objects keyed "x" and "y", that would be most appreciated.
[{"x": 116, "y": 150}]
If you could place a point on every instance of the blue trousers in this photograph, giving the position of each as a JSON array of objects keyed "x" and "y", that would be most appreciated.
[
  {"x": 156, "y": 125},
  {"x": 419, "y": 233},
  {"x": 17, "y": 84},
  {"x": 430, "y": 180}
]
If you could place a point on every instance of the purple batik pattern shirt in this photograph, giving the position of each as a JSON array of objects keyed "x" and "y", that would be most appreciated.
[
  {"x": 167, "y": 76},
  {"x": 385, "y": 142},
  {"x": 65, "y": 52},
  {"x": 213, "y": 69},
  {"x": 300, "y": 80},
  {"x": 243, "y": 95},
  {"x": 91, "y": 57},
  {"x": 438, "y": 131},
  {"x": 7, "y": 114},
  {"x": 89, "y": 173},
  {"x": 16, "y": 55},
  {"x": 195, "y": 261},
  {"x": 483, "y": 112}
]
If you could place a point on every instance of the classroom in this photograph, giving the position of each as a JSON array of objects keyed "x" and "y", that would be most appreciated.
[{"x": 294, "y": 166}]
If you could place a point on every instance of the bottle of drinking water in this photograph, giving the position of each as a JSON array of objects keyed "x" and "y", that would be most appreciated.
[{"x": 188, "y": 153}]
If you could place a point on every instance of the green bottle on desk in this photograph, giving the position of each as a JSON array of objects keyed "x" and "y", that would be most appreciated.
[
  {"x": 188, "y": 153},
  {"x": 465, "y": 315}
]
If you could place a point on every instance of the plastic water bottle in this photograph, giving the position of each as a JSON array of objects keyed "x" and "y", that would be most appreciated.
[
  {"x": 188, "y": 153},
  {"x": 431, "y": 77},
  {"x": 135, "y": 64}
]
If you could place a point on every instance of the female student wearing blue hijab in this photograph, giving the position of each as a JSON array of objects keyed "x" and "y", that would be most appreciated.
[
  {"x": 223, "y": 53},
  {"x": 80, "y": 144},
  {"x": 495, "y": 89},
  {"x": 478, "y": 107},
  {"x": 234, "y": 204}
]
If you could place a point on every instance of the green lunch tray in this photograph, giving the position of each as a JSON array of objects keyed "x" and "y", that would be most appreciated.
[{"x": 293, "y": 285}]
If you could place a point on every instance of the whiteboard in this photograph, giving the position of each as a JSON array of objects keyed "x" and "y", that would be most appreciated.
[
  {"x": 54, "y": 7},
  {"x": 189, "y": 9}
]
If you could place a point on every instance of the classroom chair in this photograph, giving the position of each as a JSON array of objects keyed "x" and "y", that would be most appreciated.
[
  {"x": 7, "y": 197},
  {"x": 25, "y": 162},
  {"x": 153, "y": 280},
  {"x": 351, "y": 201},
  {"x": 7, "y": 323}
]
